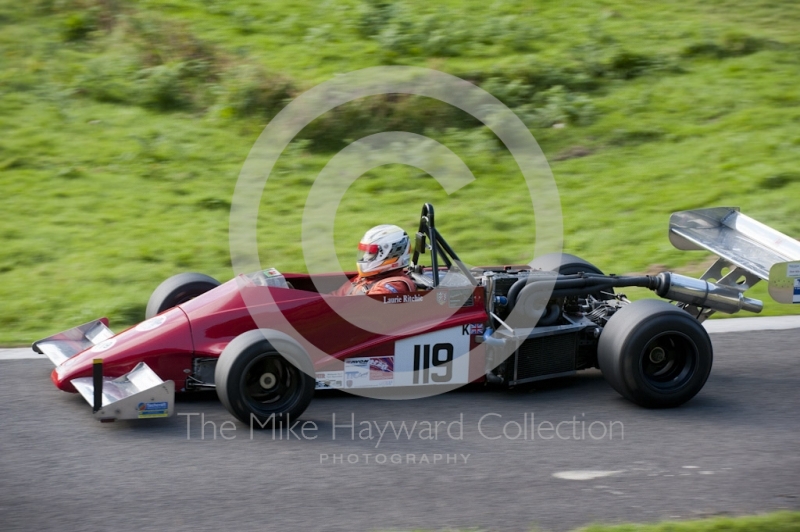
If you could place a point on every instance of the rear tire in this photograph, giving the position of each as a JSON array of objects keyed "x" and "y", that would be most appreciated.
[
  {"x": 538, "y": 311},
  {"x": 178, "y": 289},
  {"x": 564, "y": 263},
  {"x": 264, "y": 377},
  {"x": 655, "y": 354},
  {"x": 567, "y": 264}
]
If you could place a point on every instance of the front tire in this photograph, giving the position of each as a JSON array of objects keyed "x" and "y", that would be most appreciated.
[
  {"x": 655, "y": 354},
  {"x": 264, "y": 379},
  {"x": 178, "y": 289}
]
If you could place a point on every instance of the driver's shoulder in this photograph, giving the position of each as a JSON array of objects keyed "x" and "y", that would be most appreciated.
[{"x": 393, "y": 282}]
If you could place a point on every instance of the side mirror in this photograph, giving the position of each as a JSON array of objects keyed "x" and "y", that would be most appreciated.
[
  {"x": 419, "y": 243},
  {"x": 784, "y": 282}
]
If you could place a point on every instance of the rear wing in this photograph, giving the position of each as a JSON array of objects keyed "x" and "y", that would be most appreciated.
[
  {"x": 747, "y": 249},
  {"x": 734, "y": 237}
]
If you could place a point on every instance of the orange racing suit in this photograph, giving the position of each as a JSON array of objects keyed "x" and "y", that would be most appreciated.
[{"x": 388, "y": 283}]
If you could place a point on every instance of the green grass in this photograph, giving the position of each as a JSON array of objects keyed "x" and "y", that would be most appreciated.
[
  {"x": 775, "y": 522},
  {"x": 124, "y": 129}
]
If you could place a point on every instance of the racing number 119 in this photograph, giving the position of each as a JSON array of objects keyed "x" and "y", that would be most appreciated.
[{"x": 438, "y": 356}]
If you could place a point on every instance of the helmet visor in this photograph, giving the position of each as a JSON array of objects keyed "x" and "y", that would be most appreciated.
[{"x": 367, "y": 252}]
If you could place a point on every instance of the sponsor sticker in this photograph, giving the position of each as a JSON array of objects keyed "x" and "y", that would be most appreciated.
[
  {"x": 272, "y": 272},
  {"x": 461, "y": 298},
  {"x": 330, "y": 380},
  {"x": 158, "y": 409},
  {"x": 151, "y": 324},
  {"x": 796, "y": 294},
  {"x": 793, "y": 269},
  {"x": 274, "y": 278},
  {"x": 441, "y": 297},
  {"x": 104, "y": 346},
  {"x": 381, "y": 368},
  {"x": 368, "y": 372}
]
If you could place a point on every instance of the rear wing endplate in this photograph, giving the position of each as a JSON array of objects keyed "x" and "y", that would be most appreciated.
[{"x": 784, "y": 282}]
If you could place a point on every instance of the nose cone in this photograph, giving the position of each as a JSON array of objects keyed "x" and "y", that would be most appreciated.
[{"x": 163, "y": 342}]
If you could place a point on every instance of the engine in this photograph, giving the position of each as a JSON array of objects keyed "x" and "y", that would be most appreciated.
[
  {"x": 506, "y": 286},
  {"x": 561, "y": 341}
]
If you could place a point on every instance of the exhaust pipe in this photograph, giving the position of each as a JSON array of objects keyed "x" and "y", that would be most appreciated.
[{"x": 702, "y": 293}]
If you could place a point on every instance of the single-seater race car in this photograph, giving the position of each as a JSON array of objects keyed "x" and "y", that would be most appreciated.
[{"x": 265, "y": 341}]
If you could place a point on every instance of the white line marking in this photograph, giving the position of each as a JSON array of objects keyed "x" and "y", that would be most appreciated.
[
  {"x": 584, "y": 475},
  {"x": 20, "y": 354},
  {"x": 731, "y": 325},
  {"x": 756, "y": 323}
]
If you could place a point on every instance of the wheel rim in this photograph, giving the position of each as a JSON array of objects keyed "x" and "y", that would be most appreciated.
[
  {"x": 270, "y": 384},
  {"x": 669, "y": 361}
]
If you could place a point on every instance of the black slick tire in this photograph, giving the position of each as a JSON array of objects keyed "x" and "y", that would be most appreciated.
[
  {"x": 264, "y": 379},
  {"x": 655, "y": 354},
  {"x": 178, "y": 289}
]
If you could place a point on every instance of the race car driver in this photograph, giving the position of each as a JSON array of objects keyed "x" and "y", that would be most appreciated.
[{"x": 383, "y": 253}]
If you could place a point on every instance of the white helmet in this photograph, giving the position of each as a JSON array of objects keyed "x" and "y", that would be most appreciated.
[{"x": 383, "y": 248}]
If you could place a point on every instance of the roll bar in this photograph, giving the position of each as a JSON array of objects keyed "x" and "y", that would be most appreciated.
[{"x": 438, "y": 246}]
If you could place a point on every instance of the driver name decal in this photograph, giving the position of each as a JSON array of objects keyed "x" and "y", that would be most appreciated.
[{"x": 408, "y": 298}]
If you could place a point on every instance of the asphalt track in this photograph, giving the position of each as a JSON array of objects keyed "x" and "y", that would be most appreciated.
[{"x": 734, "y": 449}]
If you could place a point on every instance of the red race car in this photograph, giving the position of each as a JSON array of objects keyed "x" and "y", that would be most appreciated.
[{"x": 267, "y": 340}]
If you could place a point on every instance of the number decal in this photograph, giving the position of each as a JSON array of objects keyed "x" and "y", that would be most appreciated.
[
  {"x": 439, "y": 357},
  {"x": 425, "y": 358},
  {"x": 446, "y": 362}
]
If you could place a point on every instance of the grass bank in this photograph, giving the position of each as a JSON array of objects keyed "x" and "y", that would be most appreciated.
[
  {"x": 774, "y": 522},
  {"x": 125, "y": 126}
]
